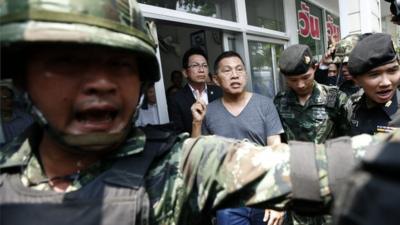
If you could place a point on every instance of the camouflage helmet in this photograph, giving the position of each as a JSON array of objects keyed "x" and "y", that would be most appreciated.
[
  {"x": 344, "y": 48},
  {"x": 111, "y": 23}
]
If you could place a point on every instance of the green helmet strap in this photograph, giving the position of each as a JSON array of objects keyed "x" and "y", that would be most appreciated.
[{"x": 82, "y": 143}]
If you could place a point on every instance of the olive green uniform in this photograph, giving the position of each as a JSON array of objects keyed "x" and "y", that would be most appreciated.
[{"x": 324, "y": 115}]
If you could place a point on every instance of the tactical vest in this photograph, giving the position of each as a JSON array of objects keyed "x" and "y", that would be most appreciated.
[{"x": 117, "y": 196}]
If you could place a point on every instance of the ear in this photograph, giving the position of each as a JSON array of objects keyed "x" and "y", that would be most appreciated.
[
  {"x": 216, "y": 80},
  {"x": 184, "y": 73}
]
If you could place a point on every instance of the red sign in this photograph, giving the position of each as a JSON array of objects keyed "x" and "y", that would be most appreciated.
[
  {"x": 332, "y": 29},
  {"x": 308, "y": 24}
]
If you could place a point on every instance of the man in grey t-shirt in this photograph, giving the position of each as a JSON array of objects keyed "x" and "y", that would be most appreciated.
[
  {"x": 257, "y": 121},
  {"x": 238, "y": 114}
]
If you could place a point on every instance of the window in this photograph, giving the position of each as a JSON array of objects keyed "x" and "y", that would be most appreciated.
[
  {"x": 309, "y": 19},
  {"x": 263, "y": 64},
  {"x": 221, "y": 9},
  {"x": 266, "y": 14}
]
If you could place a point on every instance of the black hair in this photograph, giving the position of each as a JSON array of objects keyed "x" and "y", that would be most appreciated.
[
  {"x": 224, "y": 55},
  {"x": 175, "y": 72},
  {"x": 145, "y": 103},
  {"x": 190, "y": 52}
]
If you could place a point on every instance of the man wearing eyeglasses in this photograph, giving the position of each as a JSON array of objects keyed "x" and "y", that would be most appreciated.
[
  {"x": 238, "y": 114},
  {"x": 195, "y": 69}
]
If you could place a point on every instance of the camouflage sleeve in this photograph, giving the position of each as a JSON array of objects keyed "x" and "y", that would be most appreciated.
[
  {"x": 344, "y": 114},
  {"x": 215, "y": 168},
  {"x": 225, "y": 172}
]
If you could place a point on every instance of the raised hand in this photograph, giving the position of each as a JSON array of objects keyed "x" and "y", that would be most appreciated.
[{"x": 198, "y": 109}]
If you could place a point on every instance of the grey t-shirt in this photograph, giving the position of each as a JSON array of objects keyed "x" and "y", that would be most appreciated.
[{"x": 257, "y": 121}]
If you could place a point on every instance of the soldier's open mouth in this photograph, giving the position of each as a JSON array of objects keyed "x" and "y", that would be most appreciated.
[
  {"x": 385, "y": 95},
  {"x": 94, "y": 116}
]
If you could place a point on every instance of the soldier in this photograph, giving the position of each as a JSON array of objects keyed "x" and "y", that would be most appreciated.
[
  {"x": 81, "y": 66},
  {"x": 375, "y": 67},
  {"x": 341, "y": 58},
  {"x": 309, "y": 111}
]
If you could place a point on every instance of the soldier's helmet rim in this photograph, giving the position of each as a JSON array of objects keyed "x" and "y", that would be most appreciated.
[
  {"x": 101, "y": 22},
  {"x": 344, "y": 48}
]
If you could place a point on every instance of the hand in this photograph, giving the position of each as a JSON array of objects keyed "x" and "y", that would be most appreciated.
[
  {"x": 198, "y": 109},
  {"x": 327, "y": 59},
  {"x": 272, "y": 217}
]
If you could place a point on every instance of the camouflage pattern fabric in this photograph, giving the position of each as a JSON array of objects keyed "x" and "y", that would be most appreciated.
[
  {"x": 344, "y": 48},
  {"x": 200, "y": 175},
  {"x": 325, "y": 115}
]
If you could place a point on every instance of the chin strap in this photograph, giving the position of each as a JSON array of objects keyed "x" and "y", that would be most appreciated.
[
  {"x": 82, "y": 143},
  {"x": 136, "y": 114}
]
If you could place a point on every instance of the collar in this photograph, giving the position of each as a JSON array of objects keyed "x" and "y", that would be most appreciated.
[
  {"x": 194, "y": 90},
  {"x": 315, "y": 97}
]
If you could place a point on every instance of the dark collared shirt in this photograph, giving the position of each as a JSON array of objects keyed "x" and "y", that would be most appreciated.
[{"x": 368, "y": 116}]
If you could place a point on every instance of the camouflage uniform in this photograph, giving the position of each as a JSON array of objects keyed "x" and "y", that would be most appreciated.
[
  {"x": 372, "y": 52},
  {"x": 341, "y": 58},
  {"x": 324, "y": 115},
  {"x": 198, "y": 175}
]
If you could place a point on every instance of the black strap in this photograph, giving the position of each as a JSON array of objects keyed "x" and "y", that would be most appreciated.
[
  {"x": 304, "y": 172},
  {"x": 340, "y": 162}
]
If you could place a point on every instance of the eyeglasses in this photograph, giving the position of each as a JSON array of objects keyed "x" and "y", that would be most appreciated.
[
  {"x": 198, "y": 66},
  {"x": 228, "y": 71}
]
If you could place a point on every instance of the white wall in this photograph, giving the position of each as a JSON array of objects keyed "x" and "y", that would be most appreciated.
[
  {"x": 360, "y": 16},
  {"x": 331, "y": 5}
]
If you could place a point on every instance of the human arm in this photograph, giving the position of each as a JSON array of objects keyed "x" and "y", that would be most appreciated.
[
  {"x": 344, "y": 114},
  {"x": 273, "y": 217},
  {"x": 273, "y": 126},
  {"x": 198, "y": 109},
  {"x": 273, "y": 140},
  {"x": 214, "y": 169}
]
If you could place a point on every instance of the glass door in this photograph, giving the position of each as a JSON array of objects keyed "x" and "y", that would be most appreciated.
[{"x": 264, "y": 58}]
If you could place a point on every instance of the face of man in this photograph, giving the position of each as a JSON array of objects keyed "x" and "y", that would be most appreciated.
[
  {"x": 332, "y": 70},
  {"x": 197, "y": 70},
  {"x": 345, "y": 72},
  {"x": 83, "y": 90},
  {"x": 231, "y": 75},
  {"x": 151, "y": 95},
  {"x": 302, "y": 84},
  {"x": 380, "y": 83}
]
